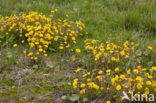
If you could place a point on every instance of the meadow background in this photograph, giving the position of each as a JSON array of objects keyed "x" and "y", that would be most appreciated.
[{"x": 114, "y": 20}]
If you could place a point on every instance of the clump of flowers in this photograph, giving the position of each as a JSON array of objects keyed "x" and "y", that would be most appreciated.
[
  {"x": 116, "y": 69},
  {"x": 40, "y": 31},
  {"x": 101, "y": 83},
  {"x": 109, "y": 55}
]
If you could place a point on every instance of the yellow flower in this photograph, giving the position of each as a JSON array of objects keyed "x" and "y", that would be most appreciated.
[
  {"x": 31, "y": 53},
  {"x": 148, "y": 83},
  {"x": 22, "y": 41},
  {"x": 150, "y": 48},
  {"x": 143, "y": 69},
  {"x": 129, "y": 72},
  {"x": 96, "y": 86},
  {"x": 108, "y": 70},
  {"x": 114, "y": 96},
  {"x": 108, "y": 88},
  {"x": 150, "y": 77},
  {"x": 36, "y": 43},
  {"x": 82, "y": 85},
  {"x": 61, "y": 47},
  {"x": 89, "y": 80},
  {"x": 73, "y": 38},
  {"x": 116, "y": 69},
  {"x": 108, "y": 101},
  {"x": 77, "y": 70},
  {"x": 75, "y": 83},
  {"x": 136, "y": 71},
  {"x": 129, "y": 92},
  {"x": 138, "y": 79},
  {"x": 82, "y": 91},
  {"x": 122, "y": 52},
  {"x": 105, "y": 54},
  {"x": 116, "y": 77},
  {"x": 75, "y": 79},
  {"x": 84, "y": 75},
  {"x": 102, "y": 88},
  {"x": 153, "y": 83},
  {"x": 100, "y": 72},
  {"x": 67, "y": 16},
  {"x": 122, "y": 76},
  {"x": 88, "y": 73},
  {"x": 31, "y": 45},
  {"x": 24, "y": 52},
  {"x": 137, "y": 95},
  {"x": 139, "y": 86},
  {"x": 35, "y": 58},
  {"x": 113, "y": 81},
  {"x": 138, "y": 67},
  {"x": 146, "y": 74},
  {"x": 113, "y": 58},
  {"x": 118, "y": 87},
  {"x": 37, "y": 53},
  {"x": 45, "y": 55},
  {"x": 127, "y": 56},
  {"x": 99, "y": 78},
  {"x": 31, "y": 57},
  {"x": 68, "y": 46},
  {"x": 94, "y": 41},
  {"x": 15, "y": 45},
  {"x": 56, "y": 10},
  {"x": 52, "y": 11},
  {"x": 40, "y": 50},
  {"x": 78, "y": 50},
  {"x": 146, "y": 90},
  {"x": 153, "y": 68},
  {"x": 56, "y": 38}
]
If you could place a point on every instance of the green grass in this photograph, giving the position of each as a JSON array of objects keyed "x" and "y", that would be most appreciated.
[
  {"x": 104, "y": 19},
  {"x": 115, "y": 20},
  {"x": 30, "y": 83}
]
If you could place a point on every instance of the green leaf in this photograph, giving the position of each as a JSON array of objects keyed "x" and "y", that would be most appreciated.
[
  {"x": 118, "y": 101},
  {"x": 6, "y": 61},
  {"x": 12, "y": 38},
  {"x": 51, "y": 49},
  {"x": 138, "y": 52},
  {"x": 35, "y": 67},
  {"x": 139, "y": 58},
  {"x": 85, "y": 99},
  {"x": 150, "y": 63},
  {"x": 74, "y": 97},
  {"x": 51, "y": 65},
  {"x": 1, "y": 36},
  {"x": 148, "y": 51},
  {"x": 69, "y": 83},
  {"x": 148, "y": 68},
  {"x": 64, "y": 97},
  {"x": 5, "y": 72},
  {"x": 9, "y": 55},
  {"x": 73, "y": 57},
  {"x": 82, "y": 59}
]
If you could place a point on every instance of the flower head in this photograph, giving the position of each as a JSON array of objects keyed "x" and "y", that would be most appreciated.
[
  {"x": 15, "y": 45},
  {"x": 78, "y": 50},
  {"x": 118, "y": 87}
]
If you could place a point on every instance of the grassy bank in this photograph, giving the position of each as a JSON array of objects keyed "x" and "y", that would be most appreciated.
[{"x": 106, "y": 20}]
